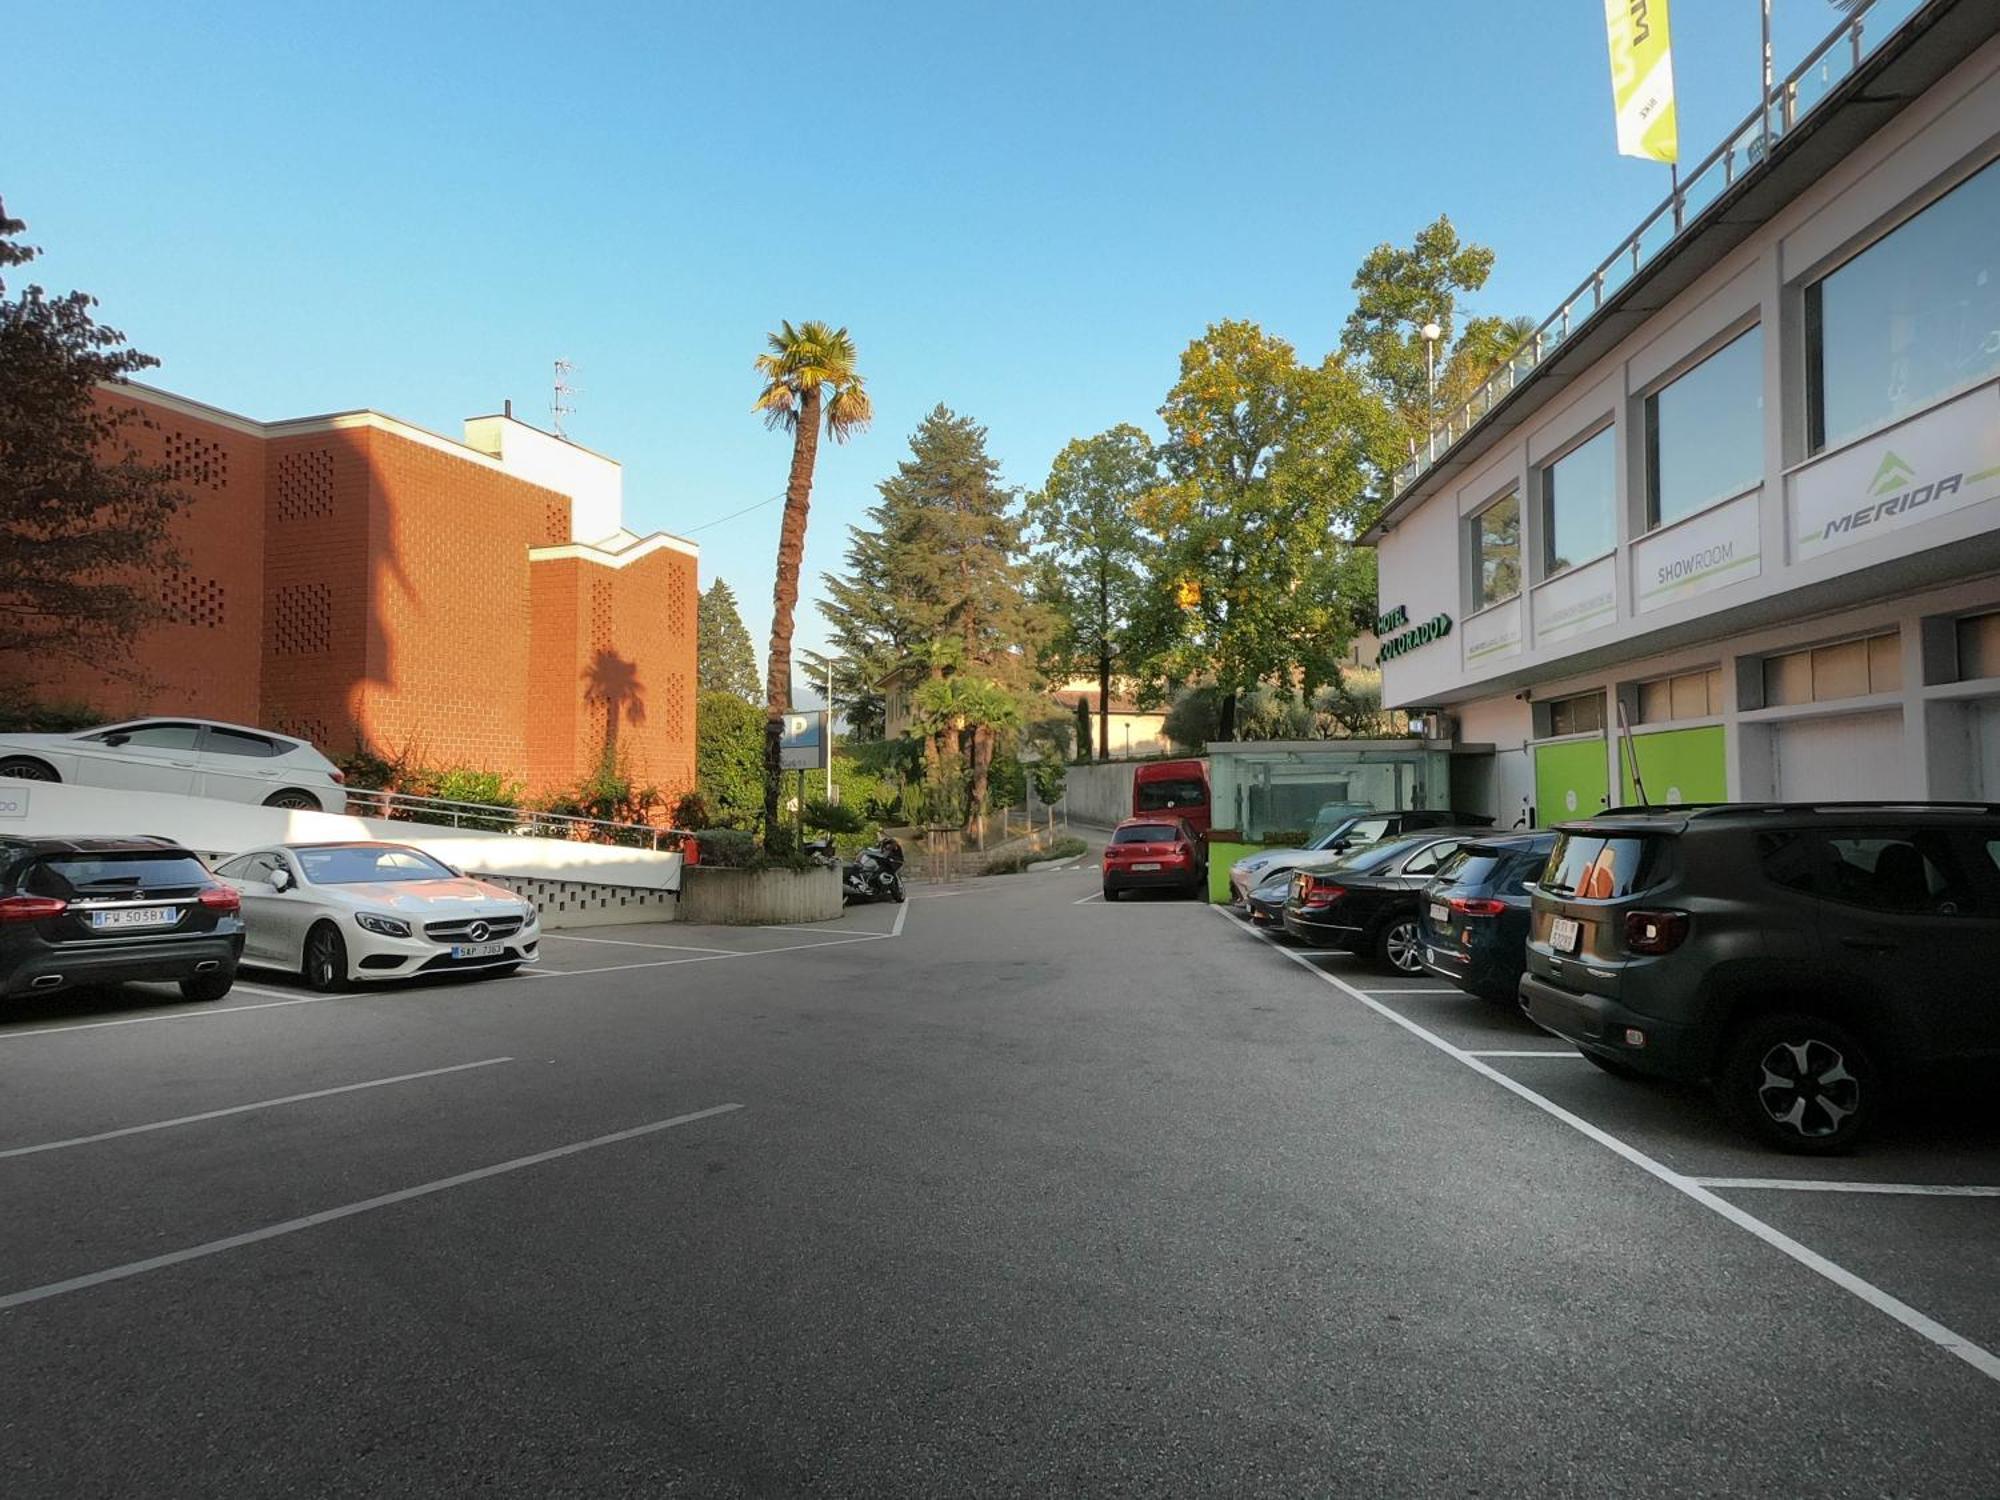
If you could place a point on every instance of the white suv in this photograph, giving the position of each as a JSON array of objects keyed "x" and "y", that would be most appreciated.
[{"x": 192, "y": 757}]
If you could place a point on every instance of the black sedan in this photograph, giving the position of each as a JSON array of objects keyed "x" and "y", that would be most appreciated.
[
  {"x": 1368, "y": 903},
  {"x": 1266, "y": 903},
  {"x": 1474, "y": 924},
  {"x": 82, "y": 911}
]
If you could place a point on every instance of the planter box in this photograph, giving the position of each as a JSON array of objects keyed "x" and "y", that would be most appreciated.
[{"x": 749, "y": 898}]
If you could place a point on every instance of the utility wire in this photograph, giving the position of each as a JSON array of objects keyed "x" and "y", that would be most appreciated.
[{"x": 705, "y": 525}]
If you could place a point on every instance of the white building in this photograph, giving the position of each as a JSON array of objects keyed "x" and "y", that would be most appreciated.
[{"x": 1747, "y": 484}]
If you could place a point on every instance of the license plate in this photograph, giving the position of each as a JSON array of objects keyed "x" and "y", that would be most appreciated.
[
  {"x": 478, "y": 950},
  {"x": 1563, "y": 934},
  {"x": 1146, "y": 867},
  {"x": 1440, "y": 912},
  {"x": 135, "y": 916}
]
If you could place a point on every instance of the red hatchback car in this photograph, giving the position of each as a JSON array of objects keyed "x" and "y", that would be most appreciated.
[{"x": 1154, "y": 853}]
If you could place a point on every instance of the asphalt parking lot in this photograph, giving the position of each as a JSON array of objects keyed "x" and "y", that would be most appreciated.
[
  {"x": 1910, "y": 1223},
  {"x": 1005, "y": 1191}
]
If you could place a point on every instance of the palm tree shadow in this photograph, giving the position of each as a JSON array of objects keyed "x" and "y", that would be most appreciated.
[{"x": 612, "y": 683}]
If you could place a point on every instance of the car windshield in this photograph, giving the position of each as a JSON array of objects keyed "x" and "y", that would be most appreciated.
[
  {"x": 1594, "y": 867},
  {"x": 75, "y": 874},
  {"x": 1158, "y": 796},
  {"x": 1145, "y": 833},
  {"x": 359, "y": 864}
]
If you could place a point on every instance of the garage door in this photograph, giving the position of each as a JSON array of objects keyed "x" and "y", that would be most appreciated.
[{"x": 1846, "y": 758}]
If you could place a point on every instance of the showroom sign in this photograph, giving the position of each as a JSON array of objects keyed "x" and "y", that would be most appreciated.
[
  {"x": 1436, "y": 628},
  {"x": 1942, "y": 462},
  {"x": 1708, "y": 551}
]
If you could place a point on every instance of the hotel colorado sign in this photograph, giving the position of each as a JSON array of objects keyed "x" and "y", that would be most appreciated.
[{"x": 1436, "y": 628}]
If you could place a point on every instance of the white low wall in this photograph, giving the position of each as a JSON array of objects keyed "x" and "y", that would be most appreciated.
[{"x": 216, "y": 829}]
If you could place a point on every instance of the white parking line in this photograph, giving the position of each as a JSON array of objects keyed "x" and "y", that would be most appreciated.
[
  {"x": 1408, "y": 990},
  {"x": 1545, "y": 1052},
  {"x": 1981, "y": 1359},
  {"x": 345, "y": 1211},
  {"x": 718, "y": 957},
  {"x": 206, "y": 1013},
  {"x": 1910, "y": 1189},
  {"x": 1093, "y": 896},
  {"x": 241, "y": 1109},
  {"x": 564, "y": 937}
]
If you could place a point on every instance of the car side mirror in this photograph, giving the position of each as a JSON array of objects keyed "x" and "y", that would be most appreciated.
[
  {"x": 114, "y": 740},
  {"x": 281, "y": 880}
]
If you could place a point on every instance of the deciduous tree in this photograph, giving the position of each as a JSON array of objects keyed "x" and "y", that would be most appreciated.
[{"x": 85, "y": 522}]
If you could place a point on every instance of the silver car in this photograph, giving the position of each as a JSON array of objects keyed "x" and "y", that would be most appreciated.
[{"x": 190, "y": 757}]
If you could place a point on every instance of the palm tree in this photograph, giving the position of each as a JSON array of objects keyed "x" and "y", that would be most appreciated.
[{"x": 809, "y": 374}]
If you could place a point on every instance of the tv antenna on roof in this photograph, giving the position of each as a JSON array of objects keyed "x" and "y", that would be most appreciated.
[{"x": 559, "y": 403}]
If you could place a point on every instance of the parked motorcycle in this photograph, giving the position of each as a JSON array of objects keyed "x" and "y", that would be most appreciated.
[{"x": 876, "y": 873}]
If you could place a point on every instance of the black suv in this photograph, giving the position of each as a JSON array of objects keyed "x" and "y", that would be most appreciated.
[
  {"x": 1802, "y": 959},
  {"x": 80, "y": 911}
]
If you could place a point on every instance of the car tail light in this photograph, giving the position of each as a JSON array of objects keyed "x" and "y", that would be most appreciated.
[
  {"x": 1322, "y": 893},
  {"x": 1477, "y": 906},
  {"x": 1655, "y": 931},
  {"x": 339, "y": 777},
  {"x": 221, "y": 898},
  {"x": 31, "y": 908}
]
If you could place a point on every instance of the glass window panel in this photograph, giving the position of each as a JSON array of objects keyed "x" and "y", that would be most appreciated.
[
  {"x": 1656, "y": 702},
  {"x": 1979, "y": 647},
  {"x": 1914, "y": 316},
  {"x": 1840, "y": 671},
  {"x": 1705, "y": 432},
  {"x": 1715, "y": 690},
  {"x": 1579, "y": 715},
  {"x": 1496, "y": 550},
  {"x": 1579, "y": 504},
  {"x": 1690, "y": 694},
  {"x": 1788, "y": 679},
  {"x": 1885, "y": 663}
]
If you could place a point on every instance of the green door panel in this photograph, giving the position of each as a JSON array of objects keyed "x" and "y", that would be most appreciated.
[
  {"x": 1572, "y": 780},
  {"x": 1678, "y": 765}
]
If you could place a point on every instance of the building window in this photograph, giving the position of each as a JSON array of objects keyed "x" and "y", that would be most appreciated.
[
  {"x": 1583, "y": 714},
  {"x": 1579, "y": 505},
  {"x": 1496, "y": 551},
  {"x": 1705, "y": 432},
  {"x": 1979, "y": 646},
  {"x": 1686, "y": 695},
  {"x": 1912, "y": 318},
  {"x": 1846, "y": 669}
]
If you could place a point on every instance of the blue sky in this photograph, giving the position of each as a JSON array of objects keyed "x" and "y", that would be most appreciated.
[{"x": 1024, "y": 211}]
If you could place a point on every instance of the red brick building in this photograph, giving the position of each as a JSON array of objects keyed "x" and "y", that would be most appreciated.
[{"x": 353, "y": 579}]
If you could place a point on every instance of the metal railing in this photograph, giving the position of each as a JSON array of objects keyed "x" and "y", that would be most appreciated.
[
  {"x": 1747, "y": 147},
  {"x": 526, "y": 822}
]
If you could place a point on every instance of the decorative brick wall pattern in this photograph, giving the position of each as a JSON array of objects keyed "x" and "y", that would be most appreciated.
[
  {"x": 188, "y": 600},
  {"x": 304, "y": 485},
  {"x": 560, "y": 899},
  {"x": 303, "y": 623},
  {"x": 194, "y": 459},
  {"x": 555, "y": 522},
  {"x": 313, "y": 731}
]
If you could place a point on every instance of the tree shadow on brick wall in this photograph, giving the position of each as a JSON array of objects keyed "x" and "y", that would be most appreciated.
[{"x": 611, "y": 684}]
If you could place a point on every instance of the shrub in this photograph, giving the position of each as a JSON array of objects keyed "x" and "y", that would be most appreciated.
[
  {"x": 1015, "y": 861},
  {"x": 21, "y": 714},
  {"x": 728, "y": 848},
  {"x": 729, "y": 761}
]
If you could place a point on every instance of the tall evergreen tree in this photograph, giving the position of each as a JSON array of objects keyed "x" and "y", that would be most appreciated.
[{"x": 725, "y": 661}]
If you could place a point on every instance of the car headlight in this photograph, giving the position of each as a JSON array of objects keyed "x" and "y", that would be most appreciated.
[{"x": 384, "y": 926}]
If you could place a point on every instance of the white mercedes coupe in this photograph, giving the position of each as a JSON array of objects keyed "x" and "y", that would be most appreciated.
[{"x": 341, "y": 913}]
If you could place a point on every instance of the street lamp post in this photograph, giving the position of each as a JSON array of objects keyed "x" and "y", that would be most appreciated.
[{"x": 1432, "y": 333}]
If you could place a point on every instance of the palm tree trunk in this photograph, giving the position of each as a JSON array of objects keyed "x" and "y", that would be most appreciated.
[
  {"x": 785, "y": 598},
  {"x": 982, "y": 761}
]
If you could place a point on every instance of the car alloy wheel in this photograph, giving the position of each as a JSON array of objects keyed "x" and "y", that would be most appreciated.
[
  {"x": 1399, "y": 946},
  {"x": 1800, "y": 1083},
  {"x": 24, "y": 769},
  {"x": 294, "y": 802},
  {"x": 326, "y": 959}
]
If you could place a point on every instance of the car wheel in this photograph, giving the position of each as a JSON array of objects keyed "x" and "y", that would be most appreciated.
[
  {"x": 25, "y": 768},
  {"x": 326, "y": 959},
  {"x": 206, "y": 987},
  {"x": 294, "y": 801},
  {"x": 1800, "y": 1083},
  {"x": 1111, "y": 893},
  {"x": 1397, "y": 946}
]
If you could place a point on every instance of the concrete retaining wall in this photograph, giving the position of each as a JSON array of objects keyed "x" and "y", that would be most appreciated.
[
  {"x": 1100, "y": 793},
  {"x": 750, "y": 898}
]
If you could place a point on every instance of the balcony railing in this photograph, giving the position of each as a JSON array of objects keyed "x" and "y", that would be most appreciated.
[
  {"x": 1789, "y": 102},
  {"x": 494, "y": 818}
]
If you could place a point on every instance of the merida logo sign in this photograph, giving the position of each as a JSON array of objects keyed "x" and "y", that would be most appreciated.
[
  {"x": 1891, "y": 479},
  {"x": 1436, "y": 628}
]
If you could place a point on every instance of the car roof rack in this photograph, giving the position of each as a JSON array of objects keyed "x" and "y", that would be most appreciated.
[{"x": 1727, "y": 809}]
